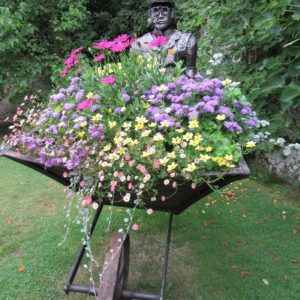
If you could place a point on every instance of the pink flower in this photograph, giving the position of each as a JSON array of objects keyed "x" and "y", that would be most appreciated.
[
  {"x": 88, "y": 199},
  {"x": 65, "y": 174},
  {"x": 156, "y": 164},
  {"x": 81, "y": 183},
  {"x": 130, "y": 186},
  {"x": 150, "y": 211},
  {"x": 158, "y": 42},
  {"x": 143, "y": 170},
  {"x": 122, "y": 38},
  {"x": 113, "y": 185},
  {"x": 135, "y": 227},
  {"x": 132, "y": 163},
  {"x": 99, "y": 58},
  {"x": 108, "y": 80},
  {"x": 77, "y": 50},
  {"x": 85, "y": 104},
  {"x": 103, "y": 45},
  {"x": 118, "y": 47},
  {"x": 174, "y": 184},
  {"x": 127, "y": 156},
  {"x": 95, "y": 205},
  {"x": 163, "y": 198},
  {"x": 194, "y": 186}
]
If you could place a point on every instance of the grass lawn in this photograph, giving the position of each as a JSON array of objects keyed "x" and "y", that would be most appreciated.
[{"x": 244, "y": 244}]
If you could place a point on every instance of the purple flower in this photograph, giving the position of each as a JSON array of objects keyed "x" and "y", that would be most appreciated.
[
  {"x": 246, "y": 110},
  {"x": 224, "y": 110},
  {"x": 119, "y": 110},
  {"x": 126, "y": 97},
  {"x": 95, "y": 107},
  {"x": 97, "y": 97},
  {"x": 251, "y": 122},
  {"x": 53, "y": 129},
  {"x": 57, "y": 97},
  {"x": 79, "y": 95},
  {"x": 69, "y": 106},
  {"x": 233, "y": 126},
  {"x": 208, "y": 108},
  {"x": 72, "y": 88},
  {"x": 75, "y": 80}
]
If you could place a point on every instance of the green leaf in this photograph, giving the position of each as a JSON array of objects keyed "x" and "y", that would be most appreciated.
[
  {"x": 272, "y": 83},
  {"x": 291, "y": 92}
]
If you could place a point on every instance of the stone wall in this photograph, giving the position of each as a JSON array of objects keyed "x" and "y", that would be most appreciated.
[{"x": 285, "y": 167}]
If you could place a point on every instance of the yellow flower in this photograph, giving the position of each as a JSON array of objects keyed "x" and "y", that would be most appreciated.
[
  {"x": 139, "y": 126},
  {"x": 205, "y": 157},
  {"x": 194, "y": 142},
  {"x": 121, "y": 151},
  {"x": 176, "y": 141},
  {"x": 230, "y": 166},
  {"x": 97, "y": 118},
  {"x": 118, "y": 139},
  {"x": 147, "y": 105},
  {"x": 152, "y": 125},
  {"x": 172, "y": 167},
  {"x": 208, "y": 149},
  {"x": 164, "y": 161},
  {"x": 146, "y": 133},
  {"x": 79, "y": 119},
  {"x": 191, "y": 168},
  {"x": 162, "y": 88},
  {"x": 200, "y": 148},
  {"x": 188, "y": 136},
  {"x": 83, "y": 124},
  {"x": 193, "y": 124},
  {"x": 227, "y": 81},
  {"x": 141, "y": 119},
  {"x": 113, "y": 156},
  {"x": 164, "y": 124},
  {"x": 171, "y": 155},
  {"x": 158, "y": 137},
  {"x": 81, "y": 134},
  {"x": 250, "y": 144},
  {"x": 127, "y": 125},
  {"x": 90, "y": 95},
  {"x": 107, "y": 148},
  {"x": 110, "y": 110},
  {"x": 112, "y": 124},
  {"x": 229, "y": 157},
  {"x": 180, "y": 130},
  {"x": 221, "y": 117}
]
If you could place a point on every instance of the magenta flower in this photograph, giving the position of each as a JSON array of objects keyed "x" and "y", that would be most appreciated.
[
  {"x": 110, "y": 80},
  {"x": 103, "y": 45},
  {"x": 85, "y": 104},
  {"x": 118, "y": 47},
  {"x": 122, "y": 38},
  {"x": 158, "y": 42},
  {"x": 99, "y": 58}
]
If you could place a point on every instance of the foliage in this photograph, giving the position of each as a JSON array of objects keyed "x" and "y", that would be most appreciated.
[
  {"x": 36, "y": 34},
  {"x": 261, "y": 43}
]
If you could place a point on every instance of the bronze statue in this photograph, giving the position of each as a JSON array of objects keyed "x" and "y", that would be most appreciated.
[{"x": 179, "y": 46}]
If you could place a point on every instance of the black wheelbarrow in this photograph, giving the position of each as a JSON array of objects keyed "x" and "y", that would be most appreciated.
[{"x": 114, "y": 279}]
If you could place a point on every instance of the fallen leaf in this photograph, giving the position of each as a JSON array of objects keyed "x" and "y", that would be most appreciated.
[
  {"x": 204, "y": 238},
  {"x": 265, "y": 281},
  {"x": 293, "y": 261},
  {"x": 296, "y": 231},
  {"x": 21, "y": 268},
  {"x": 243, "y": 274},
  {"x": 276, "y": 258},
  {"x": 229, "y": 194}
]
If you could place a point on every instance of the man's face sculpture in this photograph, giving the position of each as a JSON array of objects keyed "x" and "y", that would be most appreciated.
[{"x": 161, "y": 16}]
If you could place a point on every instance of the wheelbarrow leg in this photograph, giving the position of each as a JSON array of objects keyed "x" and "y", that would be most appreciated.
[
  {"x": 69, "y": 287},
  {"x": 166, "y": 259}
]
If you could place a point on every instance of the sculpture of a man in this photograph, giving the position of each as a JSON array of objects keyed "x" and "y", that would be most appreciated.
[{"x": 179, "y": 46}]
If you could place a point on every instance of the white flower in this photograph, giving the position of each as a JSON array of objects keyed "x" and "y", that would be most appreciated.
[{"x": 127, "y": 197}]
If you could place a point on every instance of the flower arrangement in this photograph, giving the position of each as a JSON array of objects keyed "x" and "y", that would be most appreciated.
[{"x": 124, "y": 124}]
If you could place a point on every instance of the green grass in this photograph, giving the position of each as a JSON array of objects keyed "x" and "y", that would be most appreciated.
[{"x": 240, "y": 247}]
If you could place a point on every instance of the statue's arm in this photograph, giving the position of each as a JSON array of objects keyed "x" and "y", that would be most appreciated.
[{"x": 191, "y": 57}]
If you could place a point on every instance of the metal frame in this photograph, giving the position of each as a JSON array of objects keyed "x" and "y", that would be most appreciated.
[{"x": 126, "y": 294}]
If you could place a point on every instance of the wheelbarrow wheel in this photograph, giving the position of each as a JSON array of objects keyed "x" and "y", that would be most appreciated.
[{"x": 114, "y": 277}]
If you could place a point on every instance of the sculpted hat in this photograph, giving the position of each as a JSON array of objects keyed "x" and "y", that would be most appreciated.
[{"x": 166, "y": 2}]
